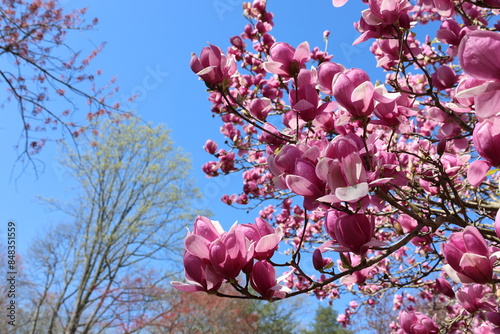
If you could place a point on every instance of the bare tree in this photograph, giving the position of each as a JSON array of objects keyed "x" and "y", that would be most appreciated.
[{"x": 134, "y": 196}]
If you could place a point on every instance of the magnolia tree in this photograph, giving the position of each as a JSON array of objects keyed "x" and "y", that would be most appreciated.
[{"x": 374, "y": 187}]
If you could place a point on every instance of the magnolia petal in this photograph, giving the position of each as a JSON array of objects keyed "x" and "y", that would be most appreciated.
[
  {"x": 302, "y": 53},
  {"x": 186, "y": 287},
  {"x": 274, "y": 67},
  {"x": 197, "y": 245},
  {"x": 338, "y": 3},
  {"x": 352, "y": 193},
  {"x": 477, "y": 172},
  {"x": 301, "y": 186},
  {"x": 452, "y": 273}
]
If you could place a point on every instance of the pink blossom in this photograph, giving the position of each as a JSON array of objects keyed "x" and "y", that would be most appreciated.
[
  {"x": 260, "y": 108},
  {"x": 263, "y": 280},
  {"x": 213, "y": 66},
  {"x": 326, "y": 74},
  {"x": 304, "y": 182},
  {"x": 486, "y": 139},
  {"x": 479, "y": 53},
  {"x": 471, "y": 298},
  {"x": 468, "y": 257},
  {"x": 305, "y": 102},
  {"x": 200, "y": 276},
  {"x": 208, "y": 229},
  {"x": 354, "y": 91},
  {"x": 265, "y": 237},
  {"x": 477, "y": 172},
  {"x": 345, "y": 177},
  {"x": 231, "y": 253},
  {"x": 444, "y": 77},
  {"x": 319, "y": 262},
  {"x": 417, "y": 323},
  {"x": 351, "y": 231},
  {"x": 210, "y": 146},
  {"x": 285, "y": 60},
  {"x": 284, "y": 160},
  {"x": 497, "y": 224}
]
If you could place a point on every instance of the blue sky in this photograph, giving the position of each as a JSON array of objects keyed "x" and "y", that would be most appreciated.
[{"x": 148, "y": 49}]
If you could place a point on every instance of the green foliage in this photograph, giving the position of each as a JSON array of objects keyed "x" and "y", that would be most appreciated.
[
  {"x": 325, "y": 322},
  {"x": 275, "y": 318}
]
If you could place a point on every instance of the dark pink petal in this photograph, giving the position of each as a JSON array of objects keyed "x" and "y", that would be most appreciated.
[{"x": 479, "y": 54}]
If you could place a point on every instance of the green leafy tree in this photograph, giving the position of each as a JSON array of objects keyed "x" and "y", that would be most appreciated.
[
  {"x": 325, "y": 322},
  {"x": 278, "y": 317},
  {"x": 134, "y": 196}
]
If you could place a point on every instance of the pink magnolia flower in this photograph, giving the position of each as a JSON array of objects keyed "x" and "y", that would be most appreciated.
[
  {"x": 305, "y": 101},
  {"x": 417, "y": 323},
  {"x": 326, "y": 74},
  {"x": 380, "y": 18},
  {"x": 354, "y": 91},
  {"x": 213, "y": 66},
  {"x": 353, "y": 232},
  {"x": 304, "y": 182},
  {"x": 444, "y": 77},
  {"x": 497, "y": 224},
  {"x": 285, "y": 60},
  {"x": 479, "y": 55},
  {"x": 468, "y": 257},
  {"x": 200, "y": 276},
  {"x": 263, "y": 280},
  {"x": 319, "y": 262},
  {"x": 471, "y": 298},
  {"x": 265, "y": 237},
  {"x": 210, "y": 146},
  {"x": 346, "y": 178},
  {"x": 260, "y": 108},
  {"x": 486, "y": 137},
  {"x": 231, "y": 253}
]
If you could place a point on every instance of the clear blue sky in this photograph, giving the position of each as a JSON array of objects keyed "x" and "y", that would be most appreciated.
[{"x": 148, "y": 49}]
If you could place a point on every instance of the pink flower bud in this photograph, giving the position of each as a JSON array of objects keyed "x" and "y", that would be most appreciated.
[
  {"x": 318, "y": 261},
  {"x": 444, "y": 287},
  {"x": 237, "y": 42},
  {"x": 444, "y": 77},
  {"x": 305, "y": 102},
  {"x": 210, "y": 146},
  {"x": 260, "y": 108},
  {"x": 231, "y": 253},
  {"x": 468, "y": 255},
  {"x": 350, "y": 231},
  {"x": 200, "y": 276},
  {"x": 263, "y": 280}
]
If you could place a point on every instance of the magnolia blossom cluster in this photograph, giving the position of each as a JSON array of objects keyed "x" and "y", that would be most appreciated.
[
  {"x": 384, "y": 186},
  {"x": 213, "y": 256}
]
